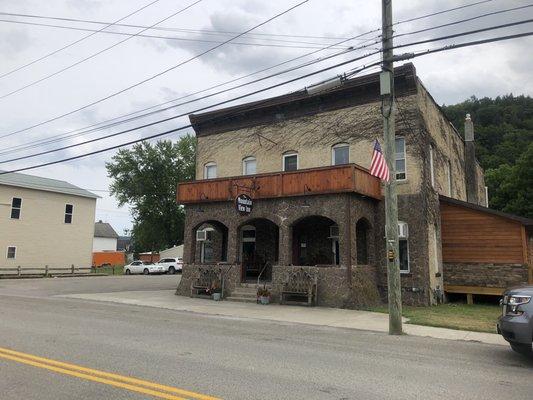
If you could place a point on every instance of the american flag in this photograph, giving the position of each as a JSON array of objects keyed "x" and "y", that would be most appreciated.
[{"x": 379, "y": 166}]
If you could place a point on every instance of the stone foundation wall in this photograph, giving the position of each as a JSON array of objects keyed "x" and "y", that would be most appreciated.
[
  {"x": 487, "y": 275},
  {"x": 333, "y": 288}
]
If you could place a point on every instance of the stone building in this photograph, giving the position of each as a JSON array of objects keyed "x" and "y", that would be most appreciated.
[{"x": 301, "y": 161}]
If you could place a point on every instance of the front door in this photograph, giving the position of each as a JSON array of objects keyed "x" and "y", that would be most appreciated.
[{"x": 248, "y": 253}]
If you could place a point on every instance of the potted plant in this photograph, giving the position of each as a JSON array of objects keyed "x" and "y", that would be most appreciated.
[
  {"x": 215, "y": 291},
  {"x": 263, "y": 295}
]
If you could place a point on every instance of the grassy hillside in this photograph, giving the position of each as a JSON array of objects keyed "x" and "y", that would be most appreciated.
[{"x": 504, "y": 144}]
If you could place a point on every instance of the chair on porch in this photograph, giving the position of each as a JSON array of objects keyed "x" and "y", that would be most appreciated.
[{"x": 300, "y": 284}]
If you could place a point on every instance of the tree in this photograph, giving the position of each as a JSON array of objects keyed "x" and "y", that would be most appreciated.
[
  {"x": 504, "y": 133},
  {"x": 146, "y": 178}
]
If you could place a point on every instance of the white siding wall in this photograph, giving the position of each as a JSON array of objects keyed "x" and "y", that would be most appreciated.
[
  {"x": 102, "y": 244},
  {"x": 41, "y": 235}
]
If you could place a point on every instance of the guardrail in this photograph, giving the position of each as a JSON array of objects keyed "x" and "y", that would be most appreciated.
[{"x": 45, "y": 271}]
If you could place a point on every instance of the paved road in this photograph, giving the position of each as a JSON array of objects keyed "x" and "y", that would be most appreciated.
[{"x": 229, "y": 358}]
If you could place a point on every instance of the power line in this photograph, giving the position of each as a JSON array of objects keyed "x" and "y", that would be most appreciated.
[
  {"x": 96, "y": 54},
  {"x": 86, "y": 129},
  {"x": 168, "y": 29},
  {"x": 245, "y": 84},
  {"x": 400, "y": 22},
  {"x": 421, "y": 53},
  {"x": 303, "y": 45},
  {"x": 159, "y": 73},
  {"x": 76, "y": 41}
]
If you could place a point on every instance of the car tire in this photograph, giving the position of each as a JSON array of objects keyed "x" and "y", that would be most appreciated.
[
  {"x": 146, "y": 271},
  {"x": 522, "y": 348},
  {"x": 171, "y": 270},
  {"x": 127, "y": 272}
]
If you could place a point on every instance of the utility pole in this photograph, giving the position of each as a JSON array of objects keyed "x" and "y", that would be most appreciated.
[{"x": 391, "y": 198}]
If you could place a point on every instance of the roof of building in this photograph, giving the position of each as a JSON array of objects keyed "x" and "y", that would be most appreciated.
[
  {"x": 45, "y": 184},
  {"x": 104, "y": 230},
  {"x": 350, "y": 92},
  {"x": 523, "y": 220}
]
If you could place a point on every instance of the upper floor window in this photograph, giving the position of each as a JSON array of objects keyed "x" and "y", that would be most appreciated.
[
  {"x": 249, "y": 166},
  {"x": 403, "y": 236},
  {"x": 432, "y": 165},
  {"x": 16, "y": 206},
  {"x": 210, "y": 170},
  {"x": 340, "y": 154},
  {"x": 69, "y": 210},
  {"x": 400, "y": 158},
  {"x": 290, "y": 161},
  {"x": 11, "y": 252}
]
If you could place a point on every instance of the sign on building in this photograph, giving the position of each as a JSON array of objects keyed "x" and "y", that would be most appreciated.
[{"x": 244, "y": 204}]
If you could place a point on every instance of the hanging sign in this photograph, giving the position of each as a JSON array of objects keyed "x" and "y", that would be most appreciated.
[{"x": 244, "y": 204}]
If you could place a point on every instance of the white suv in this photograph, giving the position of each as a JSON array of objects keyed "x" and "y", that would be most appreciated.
[{"x": 171, "y": 265}]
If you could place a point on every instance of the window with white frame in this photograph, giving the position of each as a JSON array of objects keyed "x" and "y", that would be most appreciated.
[
  {"x": 11, "y": 252},
  {"x": 340, "y": 154},
  {"x": 403, "y": 241},
  {"x": 290, "y": 161},
  {"x": 69, "y": 211},
  {"x": 210, "y": 170},
  {"x": 400, "y": 158},
  {"x": 249, "y": 166},
  {"x": 432, "y": 165},
  {"x": 16, "y": 207}
]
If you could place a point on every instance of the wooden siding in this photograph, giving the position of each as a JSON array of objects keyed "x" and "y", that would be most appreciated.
[
  {"x": 334, "y": 179},
  {"x": 472, "y": 236}
]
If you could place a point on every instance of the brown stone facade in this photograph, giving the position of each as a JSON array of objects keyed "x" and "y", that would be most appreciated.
[
  {"x": 485, "y": 275},
  {"x": 346, "y": 284}
]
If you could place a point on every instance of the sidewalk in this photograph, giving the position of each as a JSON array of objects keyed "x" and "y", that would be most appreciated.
[{"x": 333, "y": 317}]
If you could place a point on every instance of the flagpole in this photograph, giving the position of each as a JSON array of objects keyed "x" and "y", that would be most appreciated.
[{"x": 391, "y": 199}]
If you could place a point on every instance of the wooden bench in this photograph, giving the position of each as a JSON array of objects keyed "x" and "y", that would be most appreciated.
[
  {"x": 204, "y": 279},
  {"x": 300, "y": 283}
]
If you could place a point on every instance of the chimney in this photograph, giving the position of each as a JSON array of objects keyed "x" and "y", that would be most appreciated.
[{"x": 470, "y": 162}]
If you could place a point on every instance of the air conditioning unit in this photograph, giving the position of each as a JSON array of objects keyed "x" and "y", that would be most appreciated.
[
  {"x": 334, "y": 232},
  {"x": 201, "y": 236},
  {"x": 403, "y": 230}
]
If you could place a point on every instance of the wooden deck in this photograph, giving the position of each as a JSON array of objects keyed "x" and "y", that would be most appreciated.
[{"x": 313, "y": 181}]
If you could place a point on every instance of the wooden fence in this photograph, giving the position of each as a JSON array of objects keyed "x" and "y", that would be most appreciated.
[{"x": 46, "y": 271}]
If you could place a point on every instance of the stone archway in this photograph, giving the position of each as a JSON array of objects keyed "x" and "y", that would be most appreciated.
[
  {"x": 315, "y": 241},
  {"x": 209, "y": 242}
]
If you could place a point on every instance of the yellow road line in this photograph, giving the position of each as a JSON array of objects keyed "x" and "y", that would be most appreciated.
[{"x": 108, "y": 378}]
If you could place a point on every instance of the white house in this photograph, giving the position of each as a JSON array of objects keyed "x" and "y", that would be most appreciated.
[
  {"x": 44, "y": 222},
  {"x": 105, "y": 237}
]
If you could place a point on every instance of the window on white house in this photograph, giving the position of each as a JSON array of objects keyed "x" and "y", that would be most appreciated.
[
  {"x": 290, "y": 162},
  {"x": 340, "y": 154},
  {"x": 11, "y": 252},
  {"x": 69, "y": 210},
  {"x": 432, "y": 165},
  {"x": 210, "y": 170},
  {"x": 449, "y": 172},
  {"x": 249, "y": 166},
  {"x": 400, "y": 158},
  {"x": 16, "y": 206},
  {"x": 403, "y": 237}
]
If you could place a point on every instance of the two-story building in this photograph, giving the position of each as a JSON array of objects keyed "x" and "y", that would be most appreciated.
[
  {"x": 45, "y": 222},
  {"x": 283, "y": 183}
]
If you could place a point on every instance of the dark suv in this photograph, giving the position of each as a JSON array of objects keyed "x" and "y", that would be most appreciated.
[{"x": 516, "y": 322}]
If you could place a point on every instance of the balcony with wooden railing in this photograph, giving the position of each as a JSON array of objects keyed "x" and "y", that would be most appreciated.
[{"x": 347, "y": 178}]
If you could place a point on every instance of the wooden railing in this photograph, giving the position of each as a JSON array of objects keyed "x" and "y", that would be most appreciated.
[{"x": 323, "y": 180}]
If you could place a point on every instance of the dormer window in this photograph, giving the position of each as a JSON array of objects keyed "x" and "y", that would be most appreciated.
[
  {"x": 210, "y": 170},
  {"x": 249, "y": 166},
  {"x": 340, "y": 154}
]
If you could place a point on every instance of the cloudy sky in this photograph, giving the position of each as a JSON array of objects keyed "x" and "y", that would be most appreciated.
[{"x": 452, "y": 76}]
